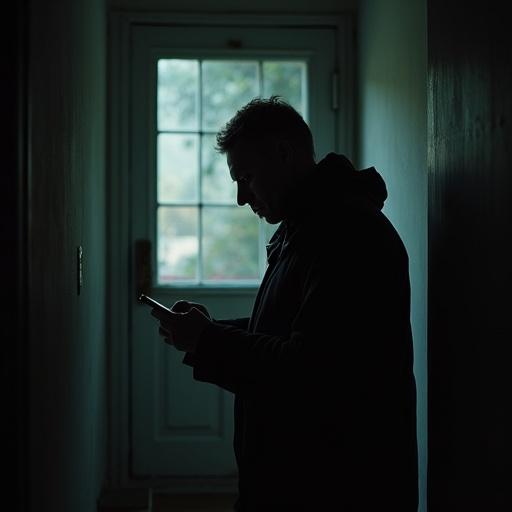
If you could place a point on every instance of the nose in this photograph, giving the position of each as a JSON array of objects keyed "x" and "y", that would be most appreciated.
[{"x": 243, "y": 194}]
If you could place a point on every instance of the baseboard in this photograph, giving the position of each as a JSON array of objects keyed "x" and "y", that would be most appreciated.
[
  {"x": 196, "y": 486},
  {"x": 141, "y": 499},
  {"x": 125, "y": 500}
]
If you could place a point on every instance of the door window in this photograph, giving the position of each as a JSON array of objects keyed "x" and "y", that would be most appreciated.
[{"x": 202, "y": 236}]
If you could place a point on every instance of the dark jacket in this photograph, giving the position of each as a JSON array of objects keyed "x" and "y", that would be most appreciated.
[{"x": 325, "y": 406}]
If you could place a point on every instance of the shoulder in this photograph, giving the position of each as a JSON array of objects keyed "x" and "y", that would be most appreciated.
[{"x": 353, "y": 231}]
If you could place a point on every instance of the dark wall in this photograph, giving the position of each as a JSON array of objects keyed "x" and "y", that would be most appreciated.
[
  {"x": 392, "y": 119},
  {"x": 13, "y": 368},
  {"x": 66, "y": 209},
  {"x": 470, "y": 332}
]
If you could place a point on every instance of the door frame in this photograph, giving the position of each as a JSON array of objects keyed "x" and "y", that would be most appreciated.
[{"x": 120, "y": 253}]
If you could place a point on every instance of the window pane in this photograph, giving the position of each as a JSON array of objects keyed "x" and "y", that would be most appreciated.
[
  {"x": 217, "y": 184},
  {"x": 178, "y": 82},
  {"x": 227, "y": 86},
  {"x": 286, "y": 79},
  {"x": 229, "y": 238},
  {"x": 177, "y": 167},
  {"x": 230, "y": 244},
  {"x": 177, "y": 235}
]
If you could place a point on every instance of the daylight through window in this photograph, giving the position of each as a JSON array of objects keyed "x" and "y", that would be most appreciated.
[{"x": 203, "y": 237}]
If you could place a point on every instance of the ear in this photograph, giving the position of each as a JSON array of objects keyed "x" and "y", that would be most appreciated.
[{"x": 285, "y": 152}]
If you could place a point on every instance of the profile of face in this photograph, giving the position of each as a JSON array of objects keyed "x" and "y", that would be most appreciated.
[{"x": 264, "y": 174}]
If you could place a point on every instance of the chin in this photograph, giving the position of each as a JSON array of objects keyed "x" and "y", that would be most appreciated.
[{"x": 272, "y": 219}]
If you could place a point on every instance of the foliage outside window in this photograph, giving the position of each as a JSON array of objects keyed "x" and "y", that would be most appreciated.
[{"x": 203, "y": 237}]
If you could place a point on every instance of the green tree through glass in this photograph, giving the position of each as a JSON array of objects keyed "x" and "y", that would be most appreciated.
[{"x": 198, "y": 98}]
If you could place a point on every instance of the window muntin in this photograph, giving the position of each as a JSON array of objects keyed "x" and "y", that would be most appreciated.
[{"x": 203, "y": 237}]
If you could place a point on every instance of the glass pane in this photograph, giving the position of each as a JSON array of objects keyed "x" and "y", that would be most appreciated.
[
  {"x": 177, "y": 167},
  {"x": 217, "y": 184},
  {"x": 227, "y": 86},
  {"x": 230, "y": 244},
  {"x": 177, "y": 235},
  {"x": 178, "y": 83},
  {"x": 286, "y": 79}
]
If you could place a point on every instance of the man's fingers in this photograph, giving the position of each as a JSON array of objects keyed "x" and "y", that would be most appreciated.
[
  {"x": 166, "y": 335},
  {"x": 165, "y": 316},
  {"x": 199, "y": 311},
  {"x": 181, "y": 306},
  {"x": 184, "y": 306}
]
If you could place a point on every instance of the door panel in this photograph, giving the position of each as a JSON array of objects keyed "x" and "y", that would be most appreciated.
[{"x": 180, "y": 427}]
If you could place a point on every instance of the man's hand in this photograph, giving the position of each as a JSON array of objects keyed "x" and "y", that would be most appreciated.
[
  {"x": 183, "y": 328},
  {"x": 183, "y": 306}
]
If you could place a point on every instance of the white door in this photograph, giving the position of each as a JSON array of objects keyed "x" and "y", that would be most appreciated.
[{"x": 185, "y": 82}]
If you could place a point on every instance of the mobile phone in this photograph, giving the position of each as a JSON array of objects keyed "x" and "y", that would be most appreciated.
[{"x": 153, "y": 303}]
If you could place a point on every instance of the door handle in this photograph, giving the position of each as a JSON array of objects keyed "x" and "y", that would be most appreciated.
[{"x": 143, "y": 273}]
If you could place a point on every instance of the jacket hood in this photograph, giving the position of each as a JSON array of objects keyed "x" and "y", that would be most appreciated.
[
  {"x": 337, "y": 176},
  {"x": 333, "y": 182}
]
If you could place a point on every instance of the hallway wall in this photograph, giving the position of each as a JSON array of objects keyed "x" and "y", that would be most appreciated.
[
  {"x": 393, "y": 137},
  {"x": 470, "y": 255},
  {"x": 13, "y": 363},
  {"x": 66, "y": 209}
]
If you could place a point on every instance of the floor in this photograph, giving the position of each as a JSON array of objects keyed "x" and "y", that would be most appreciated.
[{"x": 193, "y": 503}]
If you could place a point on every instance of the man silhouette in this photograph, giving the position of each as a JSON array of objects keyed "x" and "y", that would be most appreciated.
[{"x": 322, "y": 371}]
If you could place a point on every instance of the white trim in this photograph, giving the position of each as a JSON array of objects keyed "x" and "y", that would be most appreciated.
[{"x": 120, "y": 253}]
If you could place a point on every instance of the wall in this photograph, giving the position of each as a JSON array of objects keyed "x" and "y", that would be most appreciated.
[
  {"x": 13, "y": 367},
  {"x": 66, "y": 208},
  {"x": 393, "y": 137},
  {"x": 470, "y": 214}
]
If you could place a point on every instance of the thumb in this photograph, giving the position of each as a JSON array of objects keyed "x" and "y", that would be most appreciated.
[
  {"x": 181, "y": 306},
  {"x": 198, "y": 312}
]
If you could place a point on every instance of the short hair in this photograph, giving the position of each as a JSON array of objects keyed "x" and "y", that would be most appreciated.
[{"x": 262, "y": 119}]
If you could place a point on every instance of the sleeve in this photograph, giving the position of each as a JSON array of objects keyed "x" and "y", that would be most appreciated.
[
  {"x": 191, "y": 360},
  {"x": 240, "y": 323},
  {"x": 243, "y": 362},
  {"x": 349, "y": 327}
]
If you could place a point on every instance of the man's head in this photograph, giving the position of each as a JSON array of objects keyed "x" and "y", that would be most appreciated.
[{"x": 269, "y": 150}]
